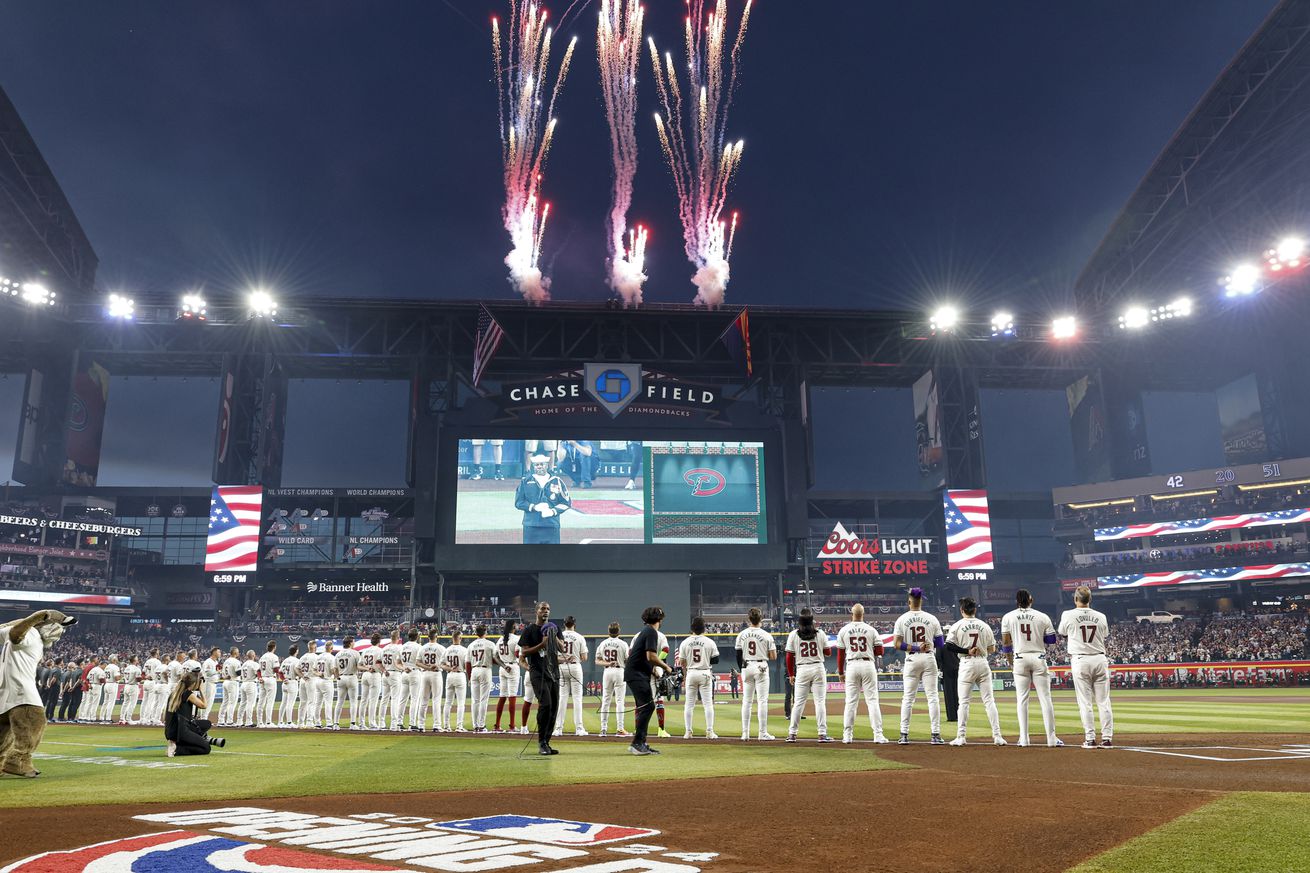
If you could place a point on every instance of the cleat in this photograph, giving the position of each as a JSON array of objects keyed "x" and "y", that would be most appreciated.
[
  {"x": 664, "y": 735},
  {"x": 652, "y": 751},
  {"x": 765, "y": 735},
  {"x": 172, "y": 749},
  {"x": 1056, "y": 743},
  {"x": 1023, "y": 744},
  {"x": 622, "y": 733},
  {"x": 904, "y": 740},
  {"x": 711, "y": 735},
  {"x": 603, "y": 734},
  {"x": 687, "y": 735},
  {"x": 746, "y": 736},
  {"x": 580, "y": 732},
  {"x": 523, "y": 730},
  {"x": 1107, "y": 744},
  {"x": 1089, "y": 744},
  {"x": 937, "y": 740},
  {"x": 847, "y": 738},
  {"x": 999, "y": 741},
  {"x": 824, "y": 738},
  {"x": 880, "y": 739},
  {"x": 959, "y": 741},
  {"x": 791, "y": 738}
]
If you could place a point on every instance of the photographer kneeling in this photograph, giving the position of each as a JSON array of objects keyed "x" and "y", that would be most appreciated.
[
  {"x": 643, "y": 667},
  {"x": 186, "y": 734}
]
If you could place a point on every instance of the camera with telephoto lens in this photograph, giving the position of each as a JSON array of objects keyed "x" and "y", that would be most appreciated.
[{"x": 668, "y": 682}]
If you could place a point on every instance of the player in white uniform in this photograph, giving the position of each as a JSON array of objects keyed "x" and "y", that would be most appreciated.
[
  {"x": 698, "y": 654},
  {"x": 410, "y": 680},
  {"x": 975, "y": 637},
  {"x": 507, "y": 657},
  {"x": 482, "y": 654},
  {"x": 227, "y": 713},
  {"x": 918, "y": 633},
  {"x": 1088, "y": 632},
  {"x": 131, "y": 690},
  {"x": 612, "y": 654},
  {"x": 148, "y": 671},
  {"x": 859, "y": 646},
  {"x": 249, "y": 689},
  {"x": 806, "y": 648},
  {"x": 370, "y": 684},
  {"x": 327, "y": 690},
  {"x": 393, "y": 691},
  {"x": 110, "y": 697},
  {"x": 755, "y": 649},
  {"x": 268, "y": 664},
  {"x": 347, "y": 683},
  {"x": 432, "y": 686},
  {"x": 89, "y": 711},
  {"x": 572, "y": 652},
  {"x": 290, "y": 670},
  {"x": 455, "y": 664},
  {"x": 308, "y": 698},
  {"x": 497, "y": 453},
  {"x": 1025, "y": 634},
  {"x": 209, "y": 681},
  {"x": 190, "y": 665}
]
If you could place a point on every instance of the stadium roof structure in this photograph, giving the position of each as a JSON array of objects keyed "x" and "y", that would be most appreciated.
[
  {"x": 40, "y": 236},
  {"x": 1232, "y": 180}
]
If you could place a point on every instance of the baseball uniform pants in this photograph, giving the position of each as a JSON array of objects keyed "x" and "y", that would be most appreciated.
[
  {"x": 109, "y": 700},
  {"x": 130, "y": 695},
  {"x": 207, "y": 689},
  {"x": 347, "y": 689},
  {"x": 976, "y": 670},
  {"x": 755, "y": 689},
  {"x": 920, "y": 667},
  {"x": 266, "y": 704},
  {"x": 290, "y": 694},
  {"x": 700, "y": 684},
  {"x": 1031, "y": 671},
  {"x": 227, "y": 713},
  {"x": 613, "y": 695},
  {"x": 861, "y": 681},
  {"x": 249, "y": 692},
  {"x": 480, "y": 691},
  {"x": 570, "y": 690},
  {"x": 1091, "y": 682},
  {"x": 456, "y": 692},
  {"x": 811, "y": 681},
  {"x": 369, "y": 689}
]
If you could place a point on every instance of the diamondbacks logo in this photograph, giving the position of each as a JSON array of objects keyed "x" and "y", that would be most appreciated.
[
  {"x": 704, "y": 482},
  {"x": 613, "y": 386}
]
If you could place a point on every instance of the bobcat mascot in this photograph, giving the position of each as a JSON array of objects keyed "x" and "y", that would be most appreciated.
[{"x": 22, "y": 717}]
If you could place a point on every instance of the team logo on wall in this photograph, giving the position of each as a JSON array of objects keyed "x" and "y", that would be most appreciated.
[
  {"x": 704, "y": 482},
  {"x": 613, "y": 386}
]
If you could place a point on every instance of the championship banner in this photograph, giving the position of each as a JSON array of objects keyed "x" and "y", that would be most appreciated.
[
  {"x": 64, "y": 597},
  {"x": 1088, "y": 426},
  {"x": 85, "y": 427},
  {"x": 931, "y": 446},
  {"x": 1192, "y": 577},
  {"x": 1201, "y": 525}
]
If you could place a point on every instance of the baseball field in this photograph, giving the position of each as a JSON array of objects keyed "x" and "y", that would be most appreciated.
[{"x": 1198, "y": 780}]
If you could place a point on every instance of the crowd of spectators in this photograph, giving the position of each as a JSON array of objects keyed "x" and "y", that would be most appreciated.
[
  {"x": 22, "y": 571},
  {"x": 1219, "y": 503},
  {"x": 1258, "y": 551}
]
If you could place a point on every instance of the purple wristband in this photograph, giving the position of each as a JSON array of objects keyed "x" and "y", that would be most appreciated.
[
  {"x": 1049, "y": 639},
  {"x": 938, "y": 641}
]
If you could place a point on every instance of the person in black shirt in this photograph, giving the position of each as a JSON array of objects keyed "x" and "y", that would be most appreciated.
[
  {"x": 643, "y": 665},
  {"x": 539, "y": 646}
]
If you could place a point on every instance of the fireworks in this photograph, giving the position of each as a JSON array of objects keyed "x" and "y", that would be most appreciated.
[
  {"x": 618, "y": 50},
  {"x": 695, "y": 143},
  {"x": 522, "y": 66}
]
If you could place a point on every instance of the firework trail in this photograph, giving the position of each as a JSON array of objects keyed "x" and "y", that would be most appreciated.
[
  {"x": 694, "y": 141},
  {"x": 522, "y": 66},
  {"x": 618, "y": 49}
]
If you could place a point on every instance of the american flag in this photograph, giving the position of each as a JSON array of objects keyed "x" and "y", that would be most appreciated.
[
  {"x": 234, "y": 516},
  {"x": 1200, "y": 525},
  {"x": 1214, "y": 574},
  {"x": 968, "y": 530},
  {"x": 488, "y": 340}
]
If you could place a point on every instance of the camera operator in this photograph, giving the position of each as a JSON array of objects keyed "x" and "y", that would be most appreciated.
[
  {"x": 643, "y": 666},
  {"x": 539, "y": 646}
]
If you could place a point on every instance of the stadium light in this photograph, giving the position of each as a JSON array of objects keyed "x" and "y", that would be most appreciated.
[
  {"x": 1243, "y": 280},
  {"x": 1002, "y": 324},
  {"x": 945, "y": 318},
  {"x": 33, "y": 293},
  {"x": 192, "y": 308},
  {"x": 1180, "y": 308},
  {"x": 1064, "y": 327},
  {"x": 1289, "y": 254},
  {"x": 120, "y": 307},
  {"x": 1134, "y": 318},
  {"x": 261, "y": 304}
]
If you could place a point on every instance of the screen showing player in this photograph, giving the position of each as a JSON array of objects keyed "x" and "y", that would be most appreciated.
[{"x": 615, "y": 492}]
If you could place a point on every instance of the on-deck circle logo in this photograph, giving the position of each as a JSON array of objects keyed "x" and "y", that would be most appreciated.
[{"x": 704, "y": 482}]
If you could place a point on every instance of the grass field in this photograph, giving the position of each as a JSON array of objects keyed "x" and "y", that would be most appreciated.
[{"x": 1238, "y": 831}]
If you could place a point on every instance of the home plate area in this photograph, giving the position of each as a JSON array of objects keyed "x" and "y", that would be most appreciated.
[{"x": 1228, "y": 754}]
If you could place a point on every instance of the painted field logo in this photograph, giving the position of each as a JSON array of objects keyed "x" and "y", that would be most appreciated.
[
  {"x": 556, "y": 831},
  {"x": 704, "y": 482},
  {"x": 184, "y": 850}
]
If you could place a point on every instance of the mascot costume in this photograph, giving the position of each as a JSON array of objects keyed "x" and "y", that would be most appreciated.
[{"x": 22, "y": 716}]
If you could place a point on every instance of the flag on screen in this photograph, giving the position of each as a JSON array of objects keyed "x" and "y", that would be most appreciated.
[
  {"x": 234, "y": 516},
  {"x": 737, "y": 338},
  {"x": 968, "y": 530},
  {"x": 488, "y": 340}
]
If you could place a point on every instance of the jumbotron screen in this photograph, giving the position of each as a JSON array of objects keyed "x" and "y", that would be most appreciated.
[{"x": 607, "y": 492}]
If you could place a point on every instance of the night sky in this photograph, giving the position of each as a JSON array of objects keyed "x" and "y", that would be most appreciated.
[{"x": 896, "y": 154}]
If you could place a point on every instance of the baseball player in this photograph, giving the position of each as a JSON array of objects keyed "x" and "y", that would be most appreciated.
[
  {"x": 482, "y": 654},
  {"x": 755, "y": 649},
  {"x": 858, "y": 648},
  {"x": 110, "y": 697},
  {"x": 507, "y": 656},
  {"x": 497, "y": 453},
  {"x": 370, "y": 683},
  {"x": 978, "y": 641},
  {"x": 572, "y": 652},
  {"x": 227, "y": 714},
  {"x": 918, "y": 633},
  {"x": 90, "y": 709},
  {"x": 209, "y": 680},
  {"x": 456, "y": 665},
  {"x": 432, "y": 686},
  {"x": 1088, "y": 631},
  {"x": 698, "y": 654},
  {"x": 308, "y": 699},
  {"x": 806, "y": 648},
  {"x": 290, "y": 672},
  {"x": 131, "y": 690},
  {"x": 249, "y": 688},
  {"x": 175, "y": 671},
  {"x": 1025, "y": 634},
  {"x": 612, "y": 654},
  {"x": 409, "y": 678},
  {"x": 529, "y": 694},
  {"x": 327, "y": 687},
  {"x": 148, "y": 670},
  {"x": 190, "y": 665},
  {"x": 268, "y": 670},
  {"x": 392, "y": 692},
  {"x": 347, "y": 683}
]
